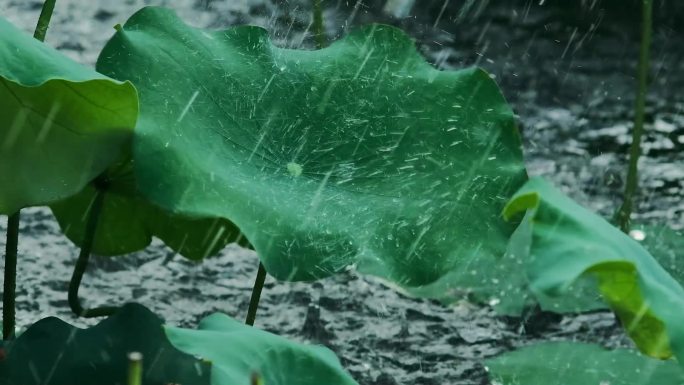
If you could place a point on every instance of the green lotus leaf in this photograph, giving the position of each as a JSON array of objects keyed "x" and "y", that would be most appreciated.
[
  {"x": 666, "y": 245},
  {"x": 56, "y": 353},
  {"x": 660, "y": 241},
  {"x": 357, "y": 154},
  {"x": 237, "y": 351},
  {"x": 582, "y": 296},
  {"x": 128, "y": 221},
  {"x": 568, "y": 242},
  {"x": 574, "y": 363},
  {"x": 61, "y": 124}
]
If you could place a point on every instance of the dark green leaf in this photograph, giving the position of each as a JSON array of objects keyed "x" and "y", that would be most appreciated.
[{"x": 56, "y": 353}]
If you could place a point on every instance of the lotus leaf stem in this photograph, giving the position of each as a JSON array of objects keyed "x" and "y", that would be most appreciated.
[
  {"x": 319, "y": 33},
  {"x": 82, "y": 263},
  {"x": 44, "y": 19},
  {"x": 256, "y": 295},
  {"x": 624, "y": 213},
  {"x": 135, "y": 368},
  {"x": 256, "y": 379},
  {"x": 8, "y": 297}
]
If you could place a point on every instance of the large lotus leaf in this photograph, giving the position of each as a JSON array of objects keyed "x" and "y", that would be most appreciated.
[
  {"x": 237, "y": 351},
  {"x": 359, "y": 153},
  {"x": 61, "y": 124},
  {"x": 127, "y": 221},
  {"x": 568, "y": 242},
  {"x": 55, "y": 353},
  {"x": 574, "y": 363}
]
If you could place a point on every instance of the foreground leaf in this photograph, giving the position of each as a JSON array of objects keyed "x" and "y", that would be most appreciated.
[
  {"x": 360, "y": 153},
  {"x": 568, "y": 242},
  {"x": 583, "y": 295},
  {"x": 56, "y": 353},
  {"x": 61, "y": 124},
  {"x": 237, "y": 351},
  {"x": 574, "y": 363}
]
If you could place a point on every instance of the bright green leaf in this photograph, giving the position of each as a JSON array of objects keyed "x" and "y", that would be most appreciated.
[
  {"x": 574, "y": 363},
  {"x": 236, "y": 351},
  {"x": 360, "y": 153},
  {"x": 61, "y": 124},
  {"x": 56, "y": 353},
  {"x": 568, "y": 242}
]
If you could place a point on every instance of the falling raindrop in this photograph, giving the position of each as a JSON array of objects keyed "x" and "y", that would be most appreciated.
[{"x": 638, "y": 235}]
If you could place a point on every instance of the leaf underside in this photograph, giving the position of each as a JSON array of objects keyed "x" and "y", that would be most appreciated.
[{"x": 128, "y": 221}]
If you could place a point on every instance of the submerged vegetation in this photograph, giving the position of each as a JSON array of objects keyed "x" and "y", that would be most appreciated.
[{"x": 357, "y": 155}]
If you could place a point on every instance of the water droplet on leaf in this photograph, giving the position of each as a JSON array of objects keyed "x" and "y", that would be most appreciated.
[
  {"x": 294, "y": 168},
  {"x": 637, "y": 235}
]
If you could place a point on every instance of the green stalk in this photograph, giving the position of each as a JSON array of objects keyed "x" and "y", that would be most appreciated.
[
  {"x": 9, "y": 289},
  {"x": 8, "y": 297},
  {"x": 256, "y": 295},
  {"x": 82, "y": 263},
  {"x": 44, "y": 19},
  {"x": 624, "y": 213},
  {"x": 135, "y": 368},
  {"x": 319, "y": 33},
  {"x": 256, "y": 379}
]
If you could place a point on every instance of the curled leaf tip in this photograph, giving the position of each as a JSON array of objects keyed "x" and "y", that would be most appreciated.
[{"x": 519, "y": 203}]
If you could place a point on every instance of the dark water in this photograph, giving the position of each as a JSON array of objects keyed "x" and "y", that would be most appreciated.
[{"x": 568, "y": 70}]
